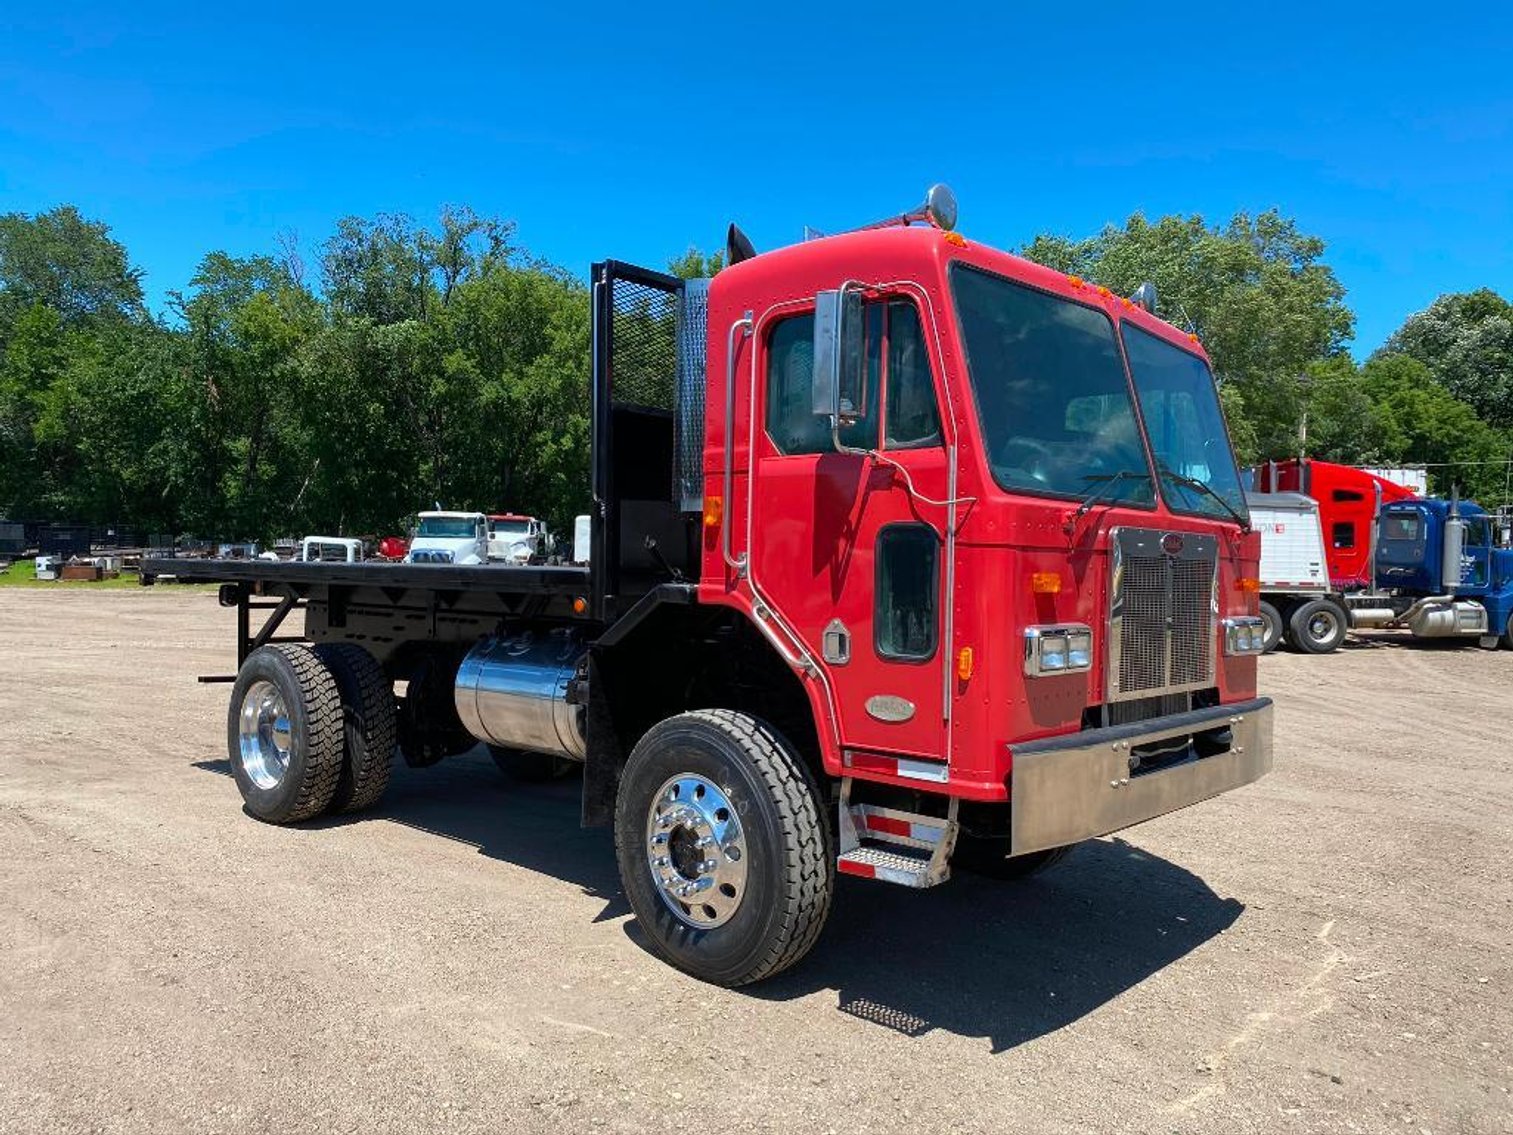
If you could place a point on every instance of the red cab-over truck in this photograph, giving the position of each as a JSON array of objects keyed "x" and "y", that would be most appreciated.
[{"x": 905, "y": 551}]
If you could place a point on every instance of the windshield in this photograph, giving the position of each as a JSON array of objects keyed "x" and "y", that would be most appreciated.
[
  {"x": 506, "y": 528},
  {"x": 1180, "y": 406},
  {"x": 1052, "y": 397},
  {"x": 448, "y": 527}
]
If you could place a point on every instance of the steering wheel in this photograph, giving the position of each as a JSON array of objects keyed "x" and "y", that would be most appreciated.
[{"x": 1028, "y": 454}]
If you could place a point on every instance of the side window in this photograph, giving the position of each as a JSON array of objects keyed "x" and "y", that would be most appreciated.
[
  {"x": 791, "y": 421},
  {"x": 904, "y": 624},
  {"x": 897, "y": 361},
  {"x": 1344, "y": 534},
  {"x": 912, "y": 419}
]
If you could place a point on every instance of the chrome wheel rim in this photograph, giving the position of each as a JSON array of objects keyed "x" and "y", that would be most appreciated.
[
  {"x": 696, "y": 851},
  {"x": 265, "y": 737},
  {"x": 1322, "y": 626}
]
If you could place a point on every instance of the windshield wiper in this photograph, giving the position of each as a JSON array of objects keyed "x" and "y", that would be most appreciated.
[
  {"x": 1204, "y": 487},
  {"x": 1109, "y": 481}
]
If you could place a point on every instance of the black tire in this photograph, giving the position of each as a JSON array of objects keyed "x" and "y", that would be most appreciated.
[
  {"x": 1318, "y": 626},
  {"x": 371, "y": 729},
  {"x": 1274, "y": 627},
  {"x": 532, "y": 768},
  {"x": 790, "y": 859},
  {"x": 1507, "y": 634},
  {"x": 312, "y": 708},
  {"x": 989, "y": 857}
]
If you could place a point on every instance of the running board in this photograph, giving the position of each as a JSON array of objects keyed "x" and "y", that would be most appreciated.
[{"x": 905, "y": 848}]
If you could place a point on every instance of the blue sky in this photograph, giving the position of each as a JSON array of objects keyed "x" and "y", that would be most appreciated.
[{"x": 602, "y": 133}]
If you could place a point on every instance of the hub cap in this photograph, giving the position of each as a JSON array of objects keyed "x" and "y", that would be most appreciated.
[
  {"x": 1322, "y": 626},
  {"x": 696, "y": 851},
  {"x": 265, "y": 737}
]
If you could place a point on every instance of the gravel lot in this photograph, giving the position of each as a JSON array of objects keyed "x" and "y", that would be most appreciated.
[{"x": 1328, "y": 950}]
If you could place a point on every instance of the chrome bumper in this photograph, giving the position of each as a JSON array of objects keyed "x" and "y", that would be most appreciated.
[{"x": 1077, "y": 786}]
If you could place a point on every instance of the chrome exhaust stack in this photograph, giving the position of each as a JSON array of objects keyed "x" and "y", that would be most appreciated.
[{"x": 512, "y": 690}]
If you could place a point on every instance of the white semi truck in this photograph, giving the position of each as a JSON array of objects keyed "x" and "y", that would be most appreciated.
[{"x": 1298, "y": 604}]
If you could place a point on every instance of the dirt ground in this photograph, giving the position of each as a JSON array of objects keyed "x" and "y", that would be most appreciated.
[{"x": 1328, "y": 950}]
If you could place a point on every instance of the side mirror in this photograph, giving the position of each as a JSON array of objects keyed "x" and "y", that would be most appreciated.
[{"x": 840, "y": 371}]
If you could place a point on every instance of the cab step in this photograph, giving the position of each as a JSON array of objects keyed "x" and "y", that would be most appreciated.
[{"x": 905, "y": 848}]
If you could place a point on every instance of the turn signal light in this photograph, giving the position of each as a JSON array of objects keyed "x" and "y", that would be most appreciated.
[
  {"x": 964, "y": 663},
  {"x": 580, "y": 605},
  {"x": 1248, "y": 584},
  {"x": 714, "y": 510},
  {"x": 1045, "y": 582}
]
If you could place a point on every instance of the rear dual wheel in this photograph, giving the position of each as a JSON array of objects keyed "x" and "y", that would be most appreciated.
[
  {"x": 310, "y": 730},
  {"x": 1273, "y": 625},
  {"x": 1317, "y": 626}
]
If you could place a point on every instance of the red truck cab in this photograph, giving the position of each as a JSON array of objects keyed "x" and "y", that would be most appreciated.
[
  {"x": 1026, "y": 526},
  {"x": 1349, "y": 499}
]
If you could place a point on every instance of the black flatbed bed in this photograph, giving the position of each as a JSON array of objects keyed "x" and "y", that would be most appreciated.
[{"x": 497, "y": 578}]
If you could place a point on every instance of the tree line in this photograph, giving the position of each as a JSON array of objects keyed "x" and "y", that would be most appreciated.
[{"x": 403, "y": 365}]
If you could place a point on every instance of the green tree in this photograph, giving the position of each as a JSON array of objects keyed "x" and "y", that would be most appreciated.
[
  {"x": 695, "y": 265},
  {"x": 1426, "y": 424},
  {"x": 1466, "y": 342},
  {"x": 70, "y": 265}
]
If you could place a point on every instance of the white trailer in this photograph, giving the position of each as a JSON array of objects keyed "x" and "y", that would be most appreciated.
[{"x": 1296, "y": 602}]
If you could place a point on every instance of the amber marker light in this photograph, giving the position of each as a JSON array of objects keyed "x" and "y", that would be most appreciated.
[
  {"x": 964, "y": 662},
  {"x": 1248, "y": 584},
  {"x": 1045, "y": 582},
  {"x": 957, "y": 239},
  {"x": 580, "y": 605},
  {"x": 714, "y": 509}
]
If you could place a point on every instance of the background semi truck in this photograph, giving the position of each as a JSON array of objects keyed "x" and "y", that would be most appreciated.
[
  {"x": 1298, "y": 603},
  {"x": 887, "y": 573},
  {"x": 1396, "y": 559}
]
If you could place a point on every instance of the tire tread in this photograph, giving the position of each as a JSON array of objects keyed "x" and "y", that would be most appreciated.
[
  {"x": 323, "y": 717},
  {"x": 368, "y": 699},
  {"x": 809, "y": 867}
]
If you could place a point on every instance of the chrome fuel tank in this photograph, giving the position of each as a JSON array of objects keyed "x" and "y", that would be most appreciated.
[{"x": 512, "y": 691}]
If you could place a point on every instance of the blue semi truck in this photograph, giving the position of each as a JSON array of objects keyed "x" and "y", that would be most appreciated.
[{"x": 1439, "y": 573}]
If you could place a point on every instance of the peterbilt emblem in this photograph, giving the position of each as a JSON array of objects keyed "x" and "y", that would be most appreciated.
[
  {"x": 1172, "y": 543},
  {"x": 890, "y": 708}
]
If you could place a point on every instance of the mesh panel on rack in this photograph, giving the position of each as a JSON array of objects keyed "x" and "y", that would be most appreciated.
[
  {"x": 693, "y": 339},
  {"x": 644, "y": 349}
]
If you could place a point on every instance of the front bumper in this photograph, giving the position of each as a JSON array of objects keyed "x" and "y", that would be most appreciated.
[{"x": 1079, "y": 785}]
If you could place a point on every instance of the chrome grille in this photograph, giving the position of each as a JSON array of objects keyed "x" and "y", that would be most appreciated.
[
  {"x": 1192, "y": 629},
  {"x": 1161, "y": 620}
]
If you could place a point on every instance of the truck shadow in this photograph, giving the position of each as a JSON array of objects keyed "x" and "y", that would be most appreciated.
[
  {"x": 979, "y": 958},
  {"x": 1008, "y": 961},
  {"x": 467, "y": 799}
]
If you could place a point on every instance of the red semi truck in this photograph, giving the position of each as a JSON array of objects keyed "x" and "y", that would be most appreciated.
[{"x": 905, "y": 552}]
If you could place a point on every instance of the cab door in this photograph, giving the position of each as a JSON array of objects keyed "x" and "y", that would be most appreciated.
[{"x": 851, "y": 559}]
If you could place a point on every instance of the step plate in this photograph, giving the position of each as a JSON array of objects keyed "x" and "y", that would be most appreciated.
[{"x": 890, "y": 866}]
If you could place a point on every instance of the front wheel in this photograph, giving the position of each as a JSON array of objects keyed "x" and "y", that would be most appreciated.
[
  {"x": 723, "y": 848},
  {"x": 1318, "y": 626}
]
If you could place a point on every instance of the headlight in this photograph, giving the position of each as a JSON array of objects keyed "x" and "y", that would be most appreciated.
[
  {"x": 1057, "y": 650},
  {"x": 1244, "y": 634}
]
